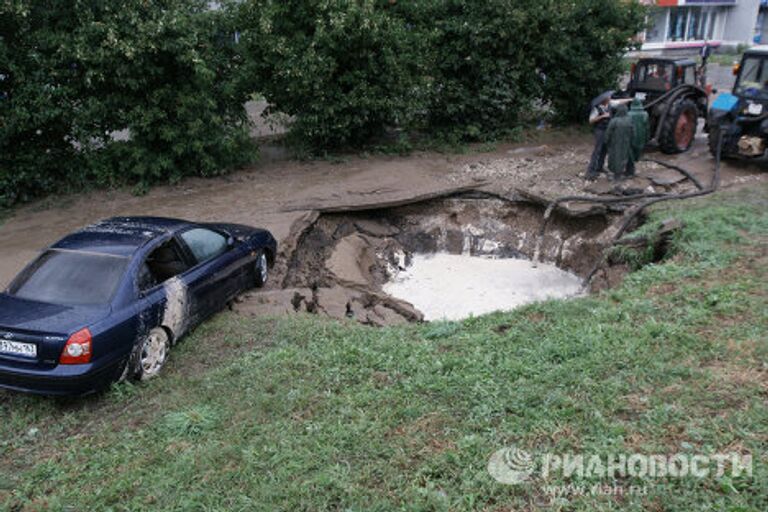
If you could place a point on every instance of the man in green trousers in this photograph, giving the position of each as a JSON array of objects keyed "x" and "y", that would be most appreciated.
[
  {"x": 639, "y": 118},
  {"x": 619, "y": 137}
]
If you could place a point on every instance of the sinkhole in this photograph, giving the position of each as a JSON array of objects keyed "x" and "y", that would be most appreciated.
[{"x": 450, "y": 257}]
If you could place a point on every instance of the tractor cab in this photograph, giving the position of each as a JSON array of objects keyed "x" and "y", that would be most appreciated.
[
  {"x": 651, "y": 78},
  {"x": 673, "y": 97},
  {"x": 739, "y": 120},
  {"x": 751, "y": 85}
]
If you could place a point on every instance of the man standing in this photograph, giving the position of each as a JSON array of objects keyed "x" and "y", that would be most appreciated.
[
  {"x": 639, "y": 118},
  {"x": 599, "y": 118},
  {"x": 618, "y": 139}
]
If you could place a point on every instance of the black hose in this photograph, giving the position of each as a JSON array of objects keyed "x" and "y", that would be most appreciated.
[
  {"x": 583, "y": 199},
  {"x": 679, "y": 169},
  {"x": 713, "y": 186},
  {"x": 652, "y": 198}
]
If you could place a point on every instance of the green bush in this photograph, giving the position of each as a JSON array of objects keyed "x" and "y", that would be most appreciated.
[
  {"x": 482, "y": 58},
  {"x": 169, "y": 74},
  {"x": 161, "y": 71},
  {"x": 500, "y": 63},
  {"x": 344, "y": 71},
  {"x": 583, "y": 55},
  {"x": 37, "y": 102},
  {"x": 166, "y": 75}
]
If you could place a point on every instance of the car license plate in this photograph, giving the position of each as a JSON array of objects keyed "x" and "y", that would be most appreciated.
[
  {"x": 18, "y": 348},
  {"x": 755, "y": 109},
  {"x": 640, "y": 95}
]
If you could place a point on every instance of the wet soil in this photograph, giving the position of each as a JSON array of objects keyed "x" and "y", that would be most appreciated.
[
  {"x": 290, "y": 197},
  {"x": 342, "y": 259}
]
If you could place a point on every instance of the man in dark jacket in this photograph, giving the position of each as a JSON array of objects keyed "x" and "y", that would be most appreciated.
[{"x": 599, "y": 118}]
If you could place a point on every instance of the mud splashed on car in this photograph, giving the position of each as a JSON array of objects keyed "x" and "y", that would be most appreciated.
[{"x": 176, "y": 316}]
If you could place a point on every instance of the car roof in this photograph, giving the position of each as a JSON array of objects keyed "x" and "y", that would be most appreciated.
[{"x": 119, "y": 236}]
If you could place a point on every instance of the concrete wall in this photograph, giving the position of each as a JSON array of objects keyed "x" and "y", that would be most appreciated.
[
  {"x": 763, "y": 20},
  {"x": 740, "y": 22}
]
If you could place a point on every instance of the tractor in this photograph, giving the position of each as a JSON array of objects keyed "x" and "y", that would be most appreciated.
[
  {"x": 674, "y": 94},
  {"x": 738, "y": 121}
]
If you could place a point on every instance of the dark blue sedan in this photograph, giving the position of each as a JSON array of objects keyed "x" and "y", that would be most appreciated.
[{"x": 106, "y": 303}]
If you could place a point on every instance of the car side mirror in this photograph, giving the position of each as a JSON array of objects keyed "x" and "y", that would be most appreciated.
[{"x": 230, "y": 242}]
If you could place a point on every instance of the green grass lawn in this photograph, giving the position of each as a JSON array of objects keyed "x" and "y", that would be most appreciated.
[{"x": 304, "y": 414}]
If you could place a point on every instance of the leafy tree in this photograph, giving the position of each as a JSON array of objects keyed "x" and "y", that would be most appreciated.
[
  {"x": 482, "y": 60},
  {"x": 165, "y": 72},
  {"x": 160, "y": 71},
  {"x": 38, "y": 100},
  {"x": 495, "y": 63},
  {"x": 586, "y": 42},
  {"x": 344, "y": 71},
  {"x": 168, "y": 76}
]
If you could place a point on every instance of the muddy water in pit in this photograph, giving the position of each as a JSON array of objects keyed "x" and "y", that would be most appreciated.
[
  {"x": 455, "y": 286},
  {"x": 350, "y": 264}
]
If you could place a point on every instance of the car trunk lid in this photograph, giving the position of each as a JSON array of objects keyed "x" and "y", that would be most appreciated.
[{"x": 35, "y": 332}]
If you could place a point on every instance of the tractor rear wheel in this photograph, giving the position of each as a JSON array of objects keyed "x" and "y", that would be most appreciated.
[{"x": 679, "y": 127}]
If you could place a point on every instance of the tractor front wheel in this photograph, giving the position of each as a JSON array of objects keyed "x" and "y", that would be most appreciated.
[
  {"x": 679, "y": 127},
  {"x": 714, "y": 139}
]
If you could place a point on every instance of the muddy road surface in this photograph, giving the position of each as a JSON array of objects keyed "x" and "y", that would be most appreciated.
[{"x": 291, "y": 198}]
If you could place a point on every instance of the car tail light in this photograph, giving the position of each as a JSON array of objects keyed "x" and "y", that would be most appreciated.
[
  {"x": 78, "y": 348},
  {"x": 632, "y": 69},
  {"x": 735, "y": 69}
]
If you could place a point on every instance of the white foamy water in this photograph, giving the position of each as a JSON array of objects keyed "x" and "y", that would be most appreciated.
[{"x": 452, "y": 286}]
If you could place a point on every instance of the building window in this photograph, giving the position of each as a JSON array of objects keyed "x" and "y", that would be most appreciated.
[
  {"x": 691, "y": 23},
  {"x": 678, "y": 19},
  {"x": 657, "y": 26}
]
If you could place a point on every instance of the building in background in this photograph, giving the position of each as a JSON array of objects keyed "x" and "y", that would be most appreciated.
[
  {"x": 679, "y": 25},
  {"x": 761, "y": 30}
]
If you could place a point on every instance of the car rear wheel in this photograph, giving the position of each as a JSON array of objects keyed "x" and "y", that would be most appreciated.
[
  {"x": 153, "y": 354},
  {"x": 261, "y": 269},
  {"x": 679, "y": 127}
]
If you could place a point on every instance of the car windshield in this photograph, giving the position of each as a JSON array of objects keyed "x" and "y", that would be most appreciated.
[
  {"x": 753, "y": 78},
  {"x": 70, "y": 278},
  {"x": 654, "y": 76}
]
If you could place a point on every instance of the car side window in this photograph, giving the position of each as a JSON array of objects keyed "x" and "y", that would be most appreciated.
[
  {"x": 145, "y": 279},
  {"x": 204, "y": 243},
  {"x": 166, "y": 261}
]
